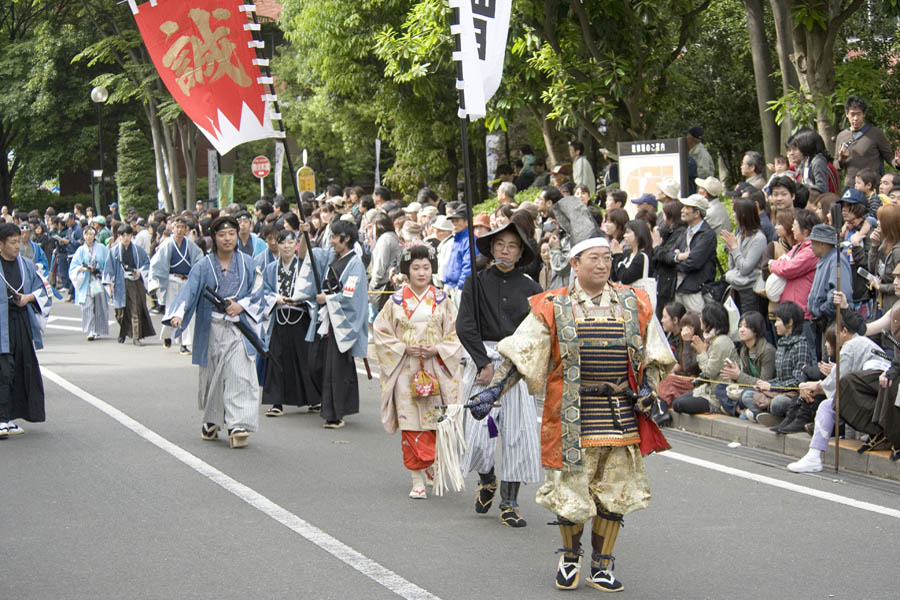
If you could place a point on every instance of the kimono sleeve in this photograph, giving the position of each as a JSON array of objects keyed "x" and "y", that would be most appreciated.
[
  {"x": 75, "y": 273},
  {"x": 253, "y": 298},
  {"x": 40, "y": 289},
  {"x": 159, "y": 265},
  {"x": 389, "y": 345},
  {"x": 348, "y": 308},
  {"x": 185, "y": 303}
]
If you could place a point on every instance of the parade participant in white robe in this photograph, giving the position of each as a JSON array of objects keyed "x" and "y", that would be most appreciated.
[
  {"x": 23, "y": 312},
  {"x": 415, "y": 332},
  {"x": 86, "y": 273},
  {"x": 228, "y": 391},
  {"x": 127, "y": 270},
  {"x": 290, "y": 286},
  {"x": 344, "y": 328},
  {"x": 170, "y": 266}
]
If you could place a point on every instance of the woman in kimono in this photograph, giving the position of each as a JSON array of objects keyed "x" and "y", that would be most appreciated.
[
  {"x": 416, "y": 332},
  {"x": 292, "y": 326},
  {"x": 24, "y": 307},
  {"x": 86, "y": 272}
]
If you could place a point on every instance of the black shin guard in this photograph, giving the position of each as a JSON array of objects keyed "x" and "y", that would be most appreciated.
[{"x": 509, "y": 493}]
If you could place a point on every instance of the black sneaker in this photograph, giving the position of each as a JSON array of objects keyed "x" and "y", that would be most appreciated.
[
  {"x": 567, "y": 574},
  {"x": 484, "y": 497},
  {"x": 509, "y": 516}
]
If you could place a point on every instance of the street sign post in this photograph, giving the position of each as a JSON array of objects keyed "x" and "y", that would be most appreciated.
[{"x": 261, "y": 167}]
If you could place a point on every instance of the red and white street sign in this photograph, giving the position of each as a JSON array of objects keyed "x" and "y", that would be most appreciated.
[{"x": 261, "y": 166}]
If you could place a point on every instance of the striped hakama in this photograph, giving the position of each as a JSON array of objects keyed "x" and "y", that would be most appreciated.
[
  {"x": 516, "y": 420},
  {"x": 95, "y": 314},
  {"x": 228, "y": 385}
]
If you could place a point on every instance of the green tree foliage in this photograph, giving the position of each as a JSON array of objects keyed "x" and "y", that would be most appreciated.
[
  {"x": 47, "y": 122},
  {"x": 136, "y": 173},
  {"x": 377, "y": 69},
  {"x": 711, "y": 85}
]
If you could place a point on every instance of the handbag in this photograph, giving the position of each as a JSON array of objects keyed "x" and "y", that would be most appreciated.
[
  {"x": 423, "y": 383},
  {"x": 716, "y": 289},
  {"x": 646, "y": 283},
  {"x": 775, "y": 285}
]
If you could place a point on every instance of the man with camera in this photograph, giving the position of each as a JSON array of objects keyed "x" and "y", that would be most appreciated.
[{"x": 861, "y": 145}]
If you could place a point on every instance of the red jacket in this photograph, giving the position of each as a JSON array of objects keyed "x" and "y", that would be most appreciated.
[{"x": 799, "y": 271}]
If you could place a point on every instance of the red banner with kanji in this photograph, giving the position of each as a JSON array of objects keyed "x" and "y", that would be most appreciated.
[{"x": 205, "y": 53}]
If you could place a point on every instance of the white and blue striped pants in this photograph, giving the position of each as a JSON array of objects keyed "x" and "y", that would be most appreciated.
[
  {"x": 516, "y": 419},
  {"x": 229, "y": 388}
]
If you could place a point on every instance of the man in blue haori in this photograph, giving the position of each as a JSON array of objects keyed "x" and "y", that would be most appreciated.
[
  {"x": 229, "y": 390},
  {"x": 128, "y": 268},
  {"x": 170, "y": 266},
  {"x": 344, "y": 329},
  {"x": 23, "y": 311}
]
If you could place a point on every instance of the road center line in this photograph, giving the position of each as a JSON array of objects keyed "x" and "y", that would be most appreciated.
[
  {"x": 341, "y": 551},
  {"x": 793, "y": 487}
]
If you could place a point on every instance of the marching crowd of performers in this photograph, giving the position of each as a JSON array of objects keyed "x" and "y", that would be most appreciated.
[{"x": 286, "y": 326}]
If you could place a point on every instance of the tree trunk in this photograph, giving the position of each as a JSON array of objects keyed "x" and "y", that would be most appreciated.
[
  {"x": 550, "y": 134},
  {"x": 173, "y": 168},
  {"x": 188, "y": 134},
  {"x": 762, "y": 68},
  {"x": 784, "y": 45},
  {"x": 162, "y": 183},
  {"x": 814, "y": 61}
]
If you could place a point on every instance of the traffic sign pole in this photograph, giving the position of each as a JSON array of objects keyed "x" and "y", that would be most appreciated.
[{"x": 261, "y": 167}]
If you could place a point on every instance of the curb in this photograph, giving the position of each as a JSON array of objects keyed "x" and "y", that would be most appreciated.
[{"x": 754, "y": 435}]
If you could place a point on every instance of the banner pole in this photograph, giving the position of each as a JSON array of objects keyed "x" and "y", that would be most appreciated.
[
  {"x": 267, "y": 72},
  {"x": 470, "y": 202},
  {"x": 837, "y": 218}
]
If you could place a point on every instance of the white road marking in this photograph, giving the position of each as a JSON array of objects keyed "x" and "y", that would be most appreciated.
[
  {"x": 792, "y": 487},
  {"x": 344, "y": 553},
  {"x": 63, "y": 327}
]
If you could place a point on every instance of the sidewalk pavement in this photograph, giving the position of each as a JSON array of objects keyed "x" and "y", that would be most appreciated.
[{"x": 754, "y": 435}]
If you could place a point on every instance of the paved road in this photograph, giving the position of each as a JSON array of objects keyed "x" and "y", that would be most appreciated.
[{"x": 130, "y": 501}]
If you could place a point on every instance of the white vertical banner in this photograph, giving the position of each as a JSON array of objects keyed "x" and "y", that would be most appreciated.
[
  {"x": 212, "y": 170},
  {"x": 279, "y": 163},
  {"x": 480, "y": 29},
  {"x": 377, "y": 162}
]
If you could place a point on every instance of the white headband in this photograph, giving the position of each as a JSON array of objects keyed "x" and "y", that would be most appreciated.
[{"x": 594, "y": 242}]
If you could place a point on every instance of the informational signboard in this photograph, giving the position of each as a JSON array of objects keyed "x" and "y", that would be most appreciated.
[
  {"x": 306, "y": 179},
  {"x": 644, "y": 164}
]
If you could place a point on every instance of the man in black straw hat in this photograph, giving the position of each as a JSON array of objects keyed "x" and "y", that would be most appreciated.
[{"x": 500, "y": 304}]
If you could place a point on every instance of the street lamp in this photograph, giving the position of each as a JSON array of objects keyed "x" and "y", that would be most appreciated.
[{"x": 98, "y": 96}]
